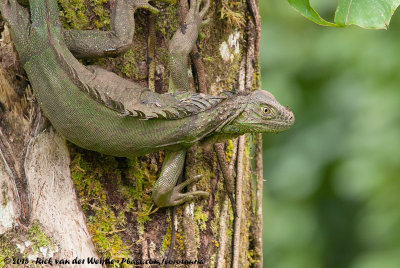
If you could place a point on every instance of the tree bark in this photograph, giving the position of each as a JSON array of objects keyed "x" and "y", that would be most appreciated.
[{"x": 61, "y": 201}]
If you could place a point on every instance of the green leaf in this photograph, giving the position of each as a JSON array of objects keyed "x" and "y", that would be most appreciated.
[
  {"x": 372, "y": 14},
  {"x": 304, "y": 7}
]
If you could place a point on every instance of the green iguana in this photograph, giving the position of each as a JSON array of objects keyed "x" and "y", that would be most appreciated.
[{"x": 100, "y": 111}]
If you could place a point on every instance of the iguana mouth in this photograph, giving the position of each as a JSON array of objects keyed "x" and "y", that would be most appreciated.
[
  {"x": 280, "y": 125},
  {"x": 272, "y": 126}
]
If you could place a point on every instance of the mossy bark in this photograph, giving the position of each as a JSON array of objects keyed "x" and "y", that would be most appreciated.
[{"x": 115, "y": 193}]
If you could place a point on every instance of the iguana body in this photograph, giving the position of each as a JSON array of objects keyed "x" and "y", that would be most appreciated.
[{"x": 100, "y": 111}]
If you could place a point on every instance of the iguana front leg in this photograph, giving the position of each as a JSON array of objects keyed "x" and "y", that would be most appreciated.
[
  {"x": 165, "y": 193},
  {"x": 182, "y": 44},
  {"x": 96, "y": 43}
]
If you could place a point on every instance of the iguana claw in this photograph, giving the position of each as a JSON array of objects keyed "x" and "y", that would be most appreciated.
[{"x": 175, "y": 197}]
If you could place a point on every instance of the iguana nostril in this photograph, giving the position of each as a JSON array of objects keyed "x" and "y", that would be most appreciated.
[{"x": 291, "y": 119}]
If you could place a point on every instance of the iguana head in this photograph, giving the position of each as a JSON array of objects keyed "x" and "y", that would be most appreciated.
[{"x": 261, "y": 113}]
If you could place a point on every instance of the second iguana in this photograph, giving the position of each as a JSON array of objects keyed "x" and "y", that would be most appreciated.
[{"x": 100, "y": 111}]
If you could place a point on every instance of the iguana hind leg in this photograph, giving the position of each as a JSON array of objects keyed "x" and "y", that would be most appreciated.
[
  {"x": 165, "y": 193},
  {"x": 96, "y": 43}
]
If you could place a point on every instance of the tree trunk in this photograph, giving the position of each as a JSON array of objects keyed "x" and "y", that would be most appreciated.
[{"x": 64, "y": 202}]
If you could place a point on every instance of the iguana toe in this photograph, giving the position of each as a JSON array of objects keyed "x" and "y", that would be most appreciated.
[
  {"x": 179, "y": 198},
  {"x": 205, "y": 8},
  {"x": 176, "y": 197},
  {"x": 145, "y": 5}
]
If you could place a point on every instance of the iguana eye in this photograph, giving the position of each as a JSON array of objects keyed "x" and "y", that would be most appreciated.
[{"x": 266, "y": 110}]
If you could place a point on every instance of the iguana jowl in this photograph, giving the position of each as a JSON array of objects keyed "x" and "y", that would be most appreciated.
[{"x": 100, "y": 111}]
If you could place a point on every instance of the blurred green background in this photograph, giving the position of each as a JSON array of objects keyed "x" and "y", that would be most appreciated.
[{"x": 332, "y": 195}]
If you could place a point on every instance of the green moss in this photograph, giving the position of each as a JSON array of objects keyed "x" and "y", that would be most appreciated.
[
  {"x": 231, "y": 11},
  {"x": 166, "y": 242},
  {"x": 128, "y": 63},
  {"x": 179, "y": 242},
  {"x": 200, "y": 217},
  {"x": 105, "y": 235},
  {"x": 167, "y": 21},
  {"x": 7, "y": 249},
  {"x": 107, "y": 202},
  {"x": 257, "y": 78},
  {"x": 203, "y": 167},
  {"x": 37, "y": 236},
  {"x": 103, "y": 224},
  {"x": 74, "y": 14},
  {"x": 102, "y": 19},
  {"x": 229, "y": 150},
  {"x": 251, "y": 254},
  {"x": 143, "y": 177},
  {"x": 143, "y": 214}
]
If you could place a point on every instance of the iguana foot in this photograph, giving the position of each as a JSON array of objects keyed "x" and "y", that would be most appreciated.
[
  {"x": 202, "y": 12},
  {"x": 175, "y": 197},
  {"x": 196, "y": 12}
]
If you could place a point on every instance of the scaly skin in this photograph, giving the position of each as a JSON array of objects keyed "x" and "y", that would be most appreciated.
[{"x": 100, "y": 111}]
